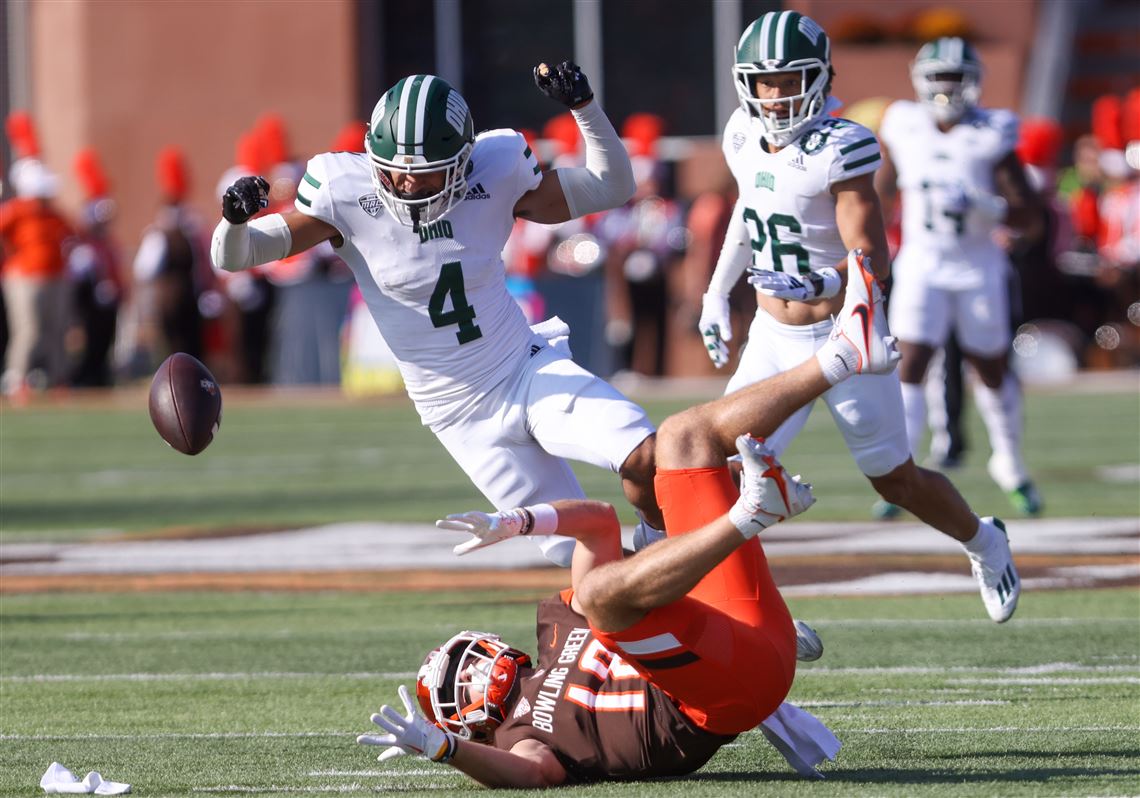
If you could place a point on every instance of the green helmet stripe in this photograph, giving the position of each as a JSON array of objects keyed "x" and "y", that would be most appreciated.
[{"x": 421, "y": 112}]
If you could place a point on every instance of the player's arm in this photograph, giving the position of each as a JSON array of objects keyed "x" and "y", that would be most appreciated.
[
  {"x": 239, "y": 244},
  {"x": 859, "y": 218},
  {"x": 715, "y": 323},
  {"x": 1024, "y": 211},
  {"x": 528, "y": 765},
  {"x": 593, "y": 524},
  {"x": 887, "y": 181},
  {"x": 605, "y": 182}
]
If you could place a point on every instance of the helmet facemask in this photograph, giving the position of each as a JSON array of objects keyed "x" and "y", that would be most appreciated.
[
  {"x": 783, "y": 119},
  {"x": 465, "y": 684},
  {"x": 947, "y": 79},
  {"x": 420, "y": 126},
  {"x": 782, "y": 42},
  {"x": 416, "y": 211}
]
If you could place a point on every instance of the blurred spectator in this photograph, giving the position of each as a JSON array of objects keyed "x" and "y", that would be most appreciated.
[
  {"x": 251, "y": 291},
  {"x": 524, "y": 257},
  {"x": 34, "y": 281},
  {"x": 644, "y": 240},
  {"x": 94, "y": 266},
  {"x": 572, "y": 284},
  {"x": 707, "y": 222},
  {"x": 310, "y": 290},
  {"x": 170, "y": 266}
]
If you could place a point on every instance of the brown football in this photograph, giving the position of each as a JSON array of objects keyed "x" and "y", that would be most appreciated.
[{"x": 185, "y": 403}]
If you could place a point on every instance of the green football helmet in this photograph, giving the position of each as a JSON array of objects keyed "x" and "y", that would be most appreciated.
[
  {"x": 784, "y": 41},
  {"x": 420, "y": 126},
  {"x": 947, "y": 78}
]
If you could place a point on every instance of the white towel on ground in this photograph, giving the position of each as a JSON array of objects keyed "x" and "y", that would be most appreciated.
[
  {"x": 59, "y": 779},
  {"x": 801, "y": 738}
]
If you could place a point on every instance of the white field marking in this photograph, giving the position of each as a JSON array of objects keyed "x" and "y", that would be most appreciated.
[
  {"x": 277, "y": 788},
  {"x": 825, "y": 622},
  {"x": 1125, "y": 472},
  {"x": 374, "y": 773},
  {"x": 1048, "y": 680},
  {"x": 194, "y": 677},
  {"x": 1051, "y": 667},
  {"x": 181, "y": 736},
  {"x": 994, "y": 730},
  {"x": 966, "y": 702}
]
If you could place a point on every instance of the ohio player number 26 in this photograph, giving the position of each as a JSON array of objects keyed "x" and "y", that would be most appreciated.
[
  {"x": 450, "y": 283},
  {"x": 779, "y": 249}
]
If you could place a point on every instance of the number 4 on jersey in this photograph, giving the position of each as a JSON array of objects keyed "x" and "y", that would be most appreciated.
[{"x": 450, "y": 282}]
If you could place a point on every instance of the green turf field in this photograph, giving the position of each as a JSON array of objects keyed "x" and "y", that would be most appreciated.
[
  {"x": 66, "y": 470},
  {"x": 245, "y": 693}
]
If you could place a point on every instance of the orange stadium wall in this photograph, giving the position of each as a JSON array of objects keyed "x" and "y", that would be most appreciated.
[{"x": 133, "y": 76}]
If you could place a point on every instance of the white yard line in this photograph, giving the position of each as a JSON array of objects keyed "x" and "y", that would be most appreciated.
[{"x": 821, "y": 670}]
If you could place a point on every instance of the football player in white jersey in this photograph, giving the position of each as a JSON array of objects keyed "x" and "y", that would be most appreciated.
[
  {"x": 807, "y": 214},
  {"x": 959, "y": 176},
  {"x": 421, "y": 218}
]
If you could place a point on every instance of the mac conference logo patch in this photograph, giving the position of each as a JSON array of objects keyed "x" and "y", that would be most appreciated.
[{"x": 370, "y": 204}]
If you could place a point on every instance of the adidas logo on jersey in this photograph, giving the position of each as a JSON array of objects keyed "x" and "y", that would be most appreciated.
[
  {"x": 798, "y": 162},
  {"x": 370, "y": 204},
  {"x": 476, "y": 192},
  {"x": 521, "y": 708}
]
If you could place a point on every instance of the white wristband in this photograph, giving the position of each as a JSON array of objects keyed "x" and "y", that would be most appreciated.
[
  {"x": 235, "y": 247},
  {"x": 542, "y": 518}
]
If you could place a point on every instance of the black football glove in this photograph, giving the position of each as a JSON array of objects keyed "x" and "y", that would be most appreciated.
[
  {"x": 244, "y": 198},
  {"x": 564, "y": 83}
]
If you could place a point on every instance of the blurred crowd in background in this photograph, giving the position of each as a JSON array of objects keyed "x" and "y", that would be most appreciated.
[{"x": 82, "y": 307}]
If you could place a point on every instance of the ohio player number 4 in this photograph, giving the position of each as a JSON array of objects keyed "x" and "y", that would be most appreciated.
[{"x": 450, "y": 282}]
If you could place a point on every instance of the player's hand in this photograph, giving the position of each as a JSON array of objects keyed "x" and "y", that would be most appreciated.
[
  {"x": 767, "y": 494},
  {"x": 244, "y": 198},
  {"x": 716, "y": 327},
  {"x": 564, "y": 83},
  {"x": 821, "y": 284},
  {"x": 487, "y": 528},
  {"x": 409, "y": 734}
]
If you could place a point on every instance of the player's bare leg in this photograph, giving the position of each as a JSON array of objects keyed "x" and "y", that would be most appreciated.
[
  {"x": 618, "y": 594},
  {"x": 637, "y": 482}
]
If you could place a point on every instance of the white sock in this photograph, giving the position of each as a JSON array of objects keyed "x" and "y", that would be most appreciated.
[
  {"x": 1001, "y": 412},
  {"x": 914, "y": 411},
  {"x": 837, "y": 360},
  {"x": 982, "y": 540}
]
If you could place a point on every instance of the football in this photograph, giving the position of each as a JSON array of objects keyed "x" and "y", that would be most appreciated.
[{"x": 185, "y": 403}]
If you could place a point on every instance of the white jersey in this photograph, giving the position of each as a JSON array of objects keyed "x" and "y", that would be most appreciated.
[
  {"x": 786, "y": 197},
  {"x": 438, "y": 296},
  {"x": 939, "y": 174}
]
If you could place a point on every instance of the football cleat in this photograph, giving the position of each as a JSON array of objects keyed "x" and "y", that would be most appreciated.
[
  {"x": 809, "y": 647},
  {"x": 1026, "y": 500},
  {"x": 883, "y": 510},
  {"x": 997, "y": 576},
  {"x": 861, "y": 326}
]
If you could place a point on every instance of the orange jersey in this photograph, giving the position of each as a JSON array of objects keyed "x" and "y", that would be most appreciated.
[{"x": 33, "y": 235}]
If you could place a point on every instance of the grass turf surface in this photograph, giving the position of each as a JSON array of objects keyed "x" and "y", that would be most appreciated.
[
  {"x": 72, "y": 471},
  {"x": 237, "y": 693},
  {"x": 226, "y": 694}
]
